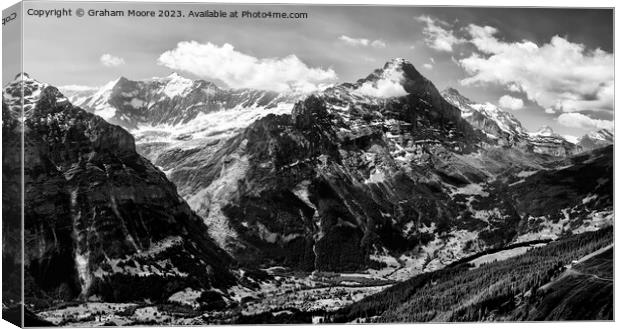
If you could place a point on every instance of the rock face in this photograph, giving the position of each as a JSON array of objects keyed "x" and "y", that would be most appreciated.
[
  {"x": 380, "y": 171},
  {"x": 169, "y": 100},
  {"x": 497, "y": 124},
  {"x": 100, "y": 220},
  {"x": 504, "y": 129},
  {"x": 11, "y": 215}
]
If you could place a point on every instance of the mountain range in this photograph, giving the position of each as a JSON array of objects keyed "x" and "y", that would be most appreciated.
[
  {"x": 154, "y": 188},
  {"x": 404, "y": 149}
]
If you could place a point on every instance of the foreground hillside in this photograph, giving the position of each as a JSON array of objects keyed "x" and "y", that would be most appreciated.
[
  {"x": 538, "y": 285},
  {"x": 582, "y": 291}
]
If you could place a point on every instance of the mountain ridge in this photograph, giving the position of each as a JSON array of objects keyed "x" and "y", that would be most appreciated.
[
  {"x": 507, "y": 130},
  {"x": 100, "y": 218}
]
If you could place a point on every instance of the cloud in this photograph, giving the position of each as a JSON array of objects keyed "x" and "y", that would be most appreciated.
[
  {"x": 362, "y": 42},
  {"x": 549, "y": 110},
  {"x": 428, "y": 66},
  {"x": 510, "y": 102},
  {"x": 436, "y": 36},
  {"x": 383, "y": 88},
  {"x": 559, "y": 75},
  {"x": 390, "y": 86},
  {"x": 239, "y": 70},
  {"x": 578, "y": 120},
  {"x": 378, "y": 44},
  {"x": 111, "y": 61}
]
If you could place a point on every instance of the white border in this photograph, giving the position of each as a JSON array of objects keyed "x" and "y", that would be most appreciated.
[{"x": 467, "y": 3}]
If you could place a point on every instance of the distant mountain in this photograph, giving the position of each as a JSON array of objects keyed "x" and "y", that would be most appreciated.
[
  {"x": 100, "y": 220},
  {"x": 546, "y": 141},
  {"x": 504, "y": 128},
  {"x": 496, "y": 123},
  {"x": 596, "y": 139},
  {"x": 170, "y": 100}
]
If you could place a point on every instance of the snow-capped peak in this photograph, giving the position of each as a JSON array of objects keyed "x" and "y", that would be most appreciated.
[
  {"x": 176, "y": 85},
  {"x": 505, "y": 121},
  {"x": 545, "y": 131},
  {"x": 31, "y": 88},
  {"x": 455, "y": 98},
  {"x": 602, "y": 135},
  {"x": 596, "y": 139},
  {"x": 173, "y": 75},
  {"x": 398, "y": 61},
  {"x": 101, "y": 96},
  {"x": 21, "y": 76}
]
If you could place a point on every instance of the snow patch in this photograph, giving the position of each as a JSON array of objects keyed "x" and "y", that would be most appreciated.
[
  {"x": 471, "y": 189},
  {"x": 188, "y": 297}
]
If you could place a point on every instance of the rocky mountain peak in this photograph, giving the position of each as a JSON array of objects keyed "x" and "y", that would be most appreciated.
[
  {"x": 398, "y": 61},
  {"x": 397, "y": 70},
  {"x": 504, "y": 128},
  {"x": 454, "y": 97},
  {"x": 21, "y": 75},
  {"x": 452, "y": 91},
  {"x": 28, "y": 92},
  {"x": 545, "y": 131},
  {"x": 596, "y": 139},
  {"x": 173, "y": 75},
  {"x": 602, "y": 134}
]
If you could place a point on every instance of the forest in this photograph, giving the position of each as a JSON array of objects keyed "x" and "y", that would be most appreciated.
[{"x": 526, "y": 287}]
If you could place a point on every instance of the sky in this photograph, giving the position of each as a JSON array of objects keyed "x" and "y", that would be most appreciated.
[{"x": 546, "y": 66}]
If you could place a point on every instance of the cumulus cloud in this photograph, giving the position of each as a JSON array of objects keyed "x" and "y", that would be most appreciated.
[
  {"x": 383, "y": 88},
  {"x": 362, "y": 42},
  {"x": 111, "y": 60},
  {"x": 239, "y": 70},
  {"x": 428, "y": 66},
  {"x": 559, "y": 75},
  {"x": 389, "y": 86},
  {"x": 509, "y": 102},
  {"x": 578, "y": 120},
  {"x": 437, "y": 34}
]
